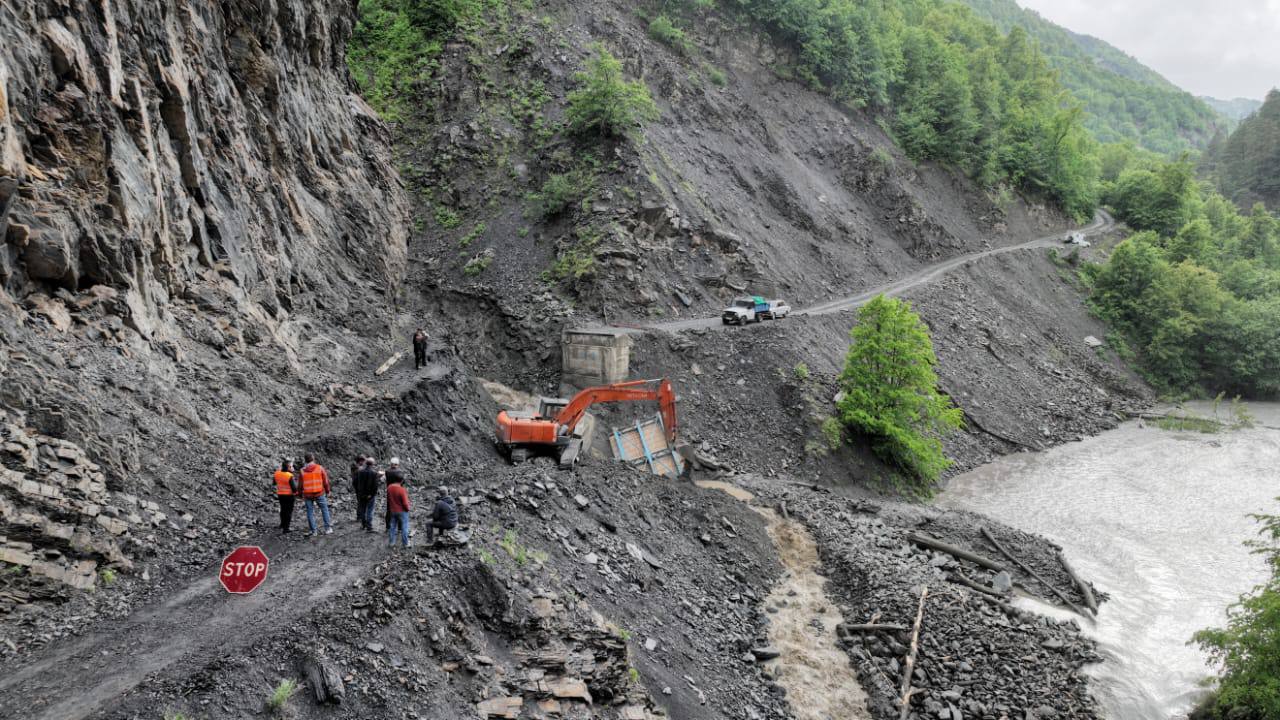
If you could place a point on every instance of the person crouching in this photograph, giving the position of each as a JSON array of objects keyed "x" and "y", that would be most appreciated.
[{"x": 444, "y": 516}]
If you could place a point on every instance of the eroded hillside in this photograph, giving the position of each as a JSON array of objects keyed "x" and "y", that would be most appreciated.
[{"x": 208, "y": 258}]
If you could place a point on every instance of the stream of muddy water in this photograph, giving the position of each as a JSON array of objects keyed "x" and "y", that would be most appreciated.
[
  {"x": 1156, "y": 519},
  {"x": 810, "y": 664}
]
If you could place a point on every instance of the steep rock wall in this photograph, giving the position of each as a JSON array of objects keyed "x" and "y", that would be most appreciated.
[
  {"x": 152, "y": 146},
  {"x": 199, "y": 228}
]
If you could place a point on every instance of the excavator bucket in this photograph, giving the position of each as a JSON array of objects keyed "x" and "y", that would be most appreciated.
[{"x": 645, "y": 445}]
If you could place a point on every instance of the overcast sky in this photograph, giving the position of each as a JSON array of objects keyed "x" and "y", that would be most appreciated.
[{"x": 1223, "y": 48}]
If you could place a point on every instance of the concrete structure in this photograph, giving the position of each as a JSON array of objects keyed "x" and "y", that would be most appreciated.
[{"x": 593, "y": 356}]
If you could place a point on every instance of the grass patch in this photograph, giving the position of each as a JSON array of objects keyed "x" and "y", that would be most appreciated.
[
  {"x": 801, "y": 372},
  {"x": 1184, "y": 422},
  {"x": 471, "y": 236},
  {"x": 280, "y": 696},
  {"x": 577, "y": 261},
  {"x": 108, "y": 576},
  {"x": 447, "y": 218},
  {"x": 521, "y": 554},
  {"x": 560, "y": 191},
  {"x": 477, "y": 264},
  {"x": 717, "y": 76},
  {"x": 662, "y": 29}
]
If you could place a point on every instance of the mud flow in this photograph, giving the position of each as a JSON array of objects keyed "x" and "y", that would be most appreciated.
[
  {"x": 810, "y": 665},
  {"x": 820, "y": 683}
]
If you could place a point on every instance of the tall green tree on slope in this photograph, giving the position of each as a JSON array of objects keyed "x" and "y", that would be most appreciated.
[
  {"x": 891, "y": 392},
  {"x": 605, "y": 102}
]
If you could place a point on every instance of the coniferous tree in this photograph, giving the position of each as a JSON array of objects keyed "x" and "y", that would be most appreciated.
[{"x": 891, "y": 391}]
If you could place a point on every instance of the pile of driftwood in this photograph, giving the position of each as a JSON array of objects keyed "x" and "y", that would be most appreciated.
[
  {"x": 958, "y": 577},
  {"x": 981, "y": 560}
]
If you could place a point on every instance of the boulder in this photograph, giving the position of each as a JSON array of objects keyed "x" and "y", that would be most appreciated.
[{"x": 48, "y": 256}]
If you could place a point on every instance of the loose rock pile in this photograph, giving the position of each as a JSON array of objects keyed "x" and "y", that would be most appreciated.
[
  {"x": 979, "y": 656},
  {"x": 598, "y": 593}
]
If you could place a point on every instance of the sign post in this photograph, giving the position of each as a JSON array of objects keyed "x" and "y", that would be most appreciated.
[{"x": 243, "y": 570}]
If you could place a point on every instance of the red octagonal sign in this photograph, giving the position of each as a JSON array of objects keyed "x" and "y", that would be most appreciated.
[{"x": 244, "y": 569}]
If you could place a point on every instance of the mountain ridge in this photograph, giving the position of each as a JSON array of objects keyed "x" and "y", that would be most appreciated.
[{"x": 1126, "y": 100}]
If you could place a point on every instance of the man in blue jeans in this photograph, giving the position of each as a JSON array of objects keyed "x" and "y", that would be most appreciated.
[
  {"x": 366, "y": 483},
  {"x": 315, "y": 491},
  {"x": 398, "y": 508}
]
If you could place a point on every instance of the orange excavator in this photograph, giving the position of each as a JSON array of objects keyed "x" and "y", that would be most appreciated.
[{"x": 549, "y": 429}]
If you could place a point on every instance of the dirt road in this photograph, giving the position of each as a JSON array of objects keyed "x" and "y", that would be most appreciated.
[
  {"x": 1102, "y": 222},
  {"x": 194, "y": 626}
]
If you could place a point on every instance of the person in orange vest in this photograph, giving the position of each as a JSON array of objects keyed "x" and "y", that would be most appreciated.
[
  {"x": 286, "y": 490},
  {"x": 315, "y": 491}
]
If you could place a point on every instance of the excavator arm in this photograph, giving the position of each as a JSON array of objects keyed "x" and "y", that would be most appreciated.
[{"x": 635, "y": 390}]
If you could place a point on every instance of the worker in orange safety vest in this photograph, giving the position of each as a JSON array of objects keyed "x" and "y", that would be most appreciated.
[
  {"x": 286, "y": 491},
  {"x": 315, "y": 491}
]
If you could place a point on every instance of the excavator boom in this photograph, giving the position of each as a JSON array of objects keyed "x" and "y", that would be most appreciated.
[
  {"x": 532, "y": 431},
  {"x": 635, "y": 390}
]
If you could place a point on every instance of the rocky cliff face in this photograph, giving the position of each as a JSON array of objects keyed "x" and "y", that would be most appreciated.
[
  {"x": 197, "y": 214},
  {"x": 155, "y": 148}
]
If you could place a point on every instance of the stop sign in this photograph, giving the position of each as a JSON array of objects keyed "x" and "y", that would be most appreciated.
[{"x": 244, "y": 569}]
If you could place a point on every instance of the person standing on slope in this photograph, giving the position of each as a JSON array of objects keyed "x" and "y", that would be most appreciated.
[
  {"x": 355, "y": 469},
  {"x": 398, "y": 507},
  {"x": 286, "y": 492},
  {"x": 315, "y": 491},
  {"x": 366, "y": 487},
  {"x": 395, "y": 473},
  {"x": 419, "y": 349}
]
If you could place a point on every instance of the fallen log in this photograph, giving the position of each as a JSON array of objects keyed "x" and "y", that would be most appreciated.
[
  {"x": 962, "y": 579},
  {"x": 324, "y": 680},
  {"x": 910, "y": 664},
  {"x": 872, "y": 627},
  {"x": 954, "y": 551},
  {"x": 1025, "y": 568},
  {"x": 384, "y": 367},
  {"x": 1089, "y": 600}
]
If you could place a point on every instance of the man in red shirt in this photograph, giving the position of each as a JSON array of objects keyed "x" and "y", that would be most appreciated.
[
  {"x": 398, "y": 506},
  {"x": 315, "y": 491}
]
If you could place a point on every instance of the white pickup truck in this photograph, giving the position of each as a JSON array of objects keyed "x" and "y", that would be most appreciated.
[
  {"x": 777, "y": 310},
  {"x": 753, "y": 309}
]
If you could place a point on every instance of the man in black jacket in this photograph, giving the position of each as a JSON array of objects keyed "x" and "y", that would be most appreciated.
[
  {"x": 444, "y": 516},
  {"x": 366, "y": 487},
  {"x": 419, "y": 349}
]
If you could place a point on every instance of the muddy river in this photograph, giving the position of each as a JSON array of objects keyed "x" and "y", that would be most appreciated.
[{"x": 1155, "y": 518}]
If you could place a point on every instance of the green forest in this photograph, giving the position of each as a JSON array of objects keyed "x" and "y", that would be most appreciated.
[
  {"x": 1124, "y": 101},
  {"x": 1195, "y": 293},
  {"x": 1246, "y": 165},
  {"x": 953, "y": 88}
]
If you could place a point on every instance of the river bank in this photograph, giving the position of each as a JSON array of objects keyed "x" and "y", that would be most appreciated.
[
  {"x": 978, "y": 655},
  {"x": 1157, "y": 519}
]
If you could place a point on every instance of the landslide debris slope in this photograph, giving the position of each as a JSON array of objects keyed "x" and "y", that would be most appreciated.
[
  {"x": 748, "y": 181},
  {"x": 207, "y": 254}
]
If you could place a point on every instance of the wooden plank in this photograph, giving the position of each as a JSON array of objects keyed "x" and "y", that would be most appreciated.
[{"x": 384, "y": 367}]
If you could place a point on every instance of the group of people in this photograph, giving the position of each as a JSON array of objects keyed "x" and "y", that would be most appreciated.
[{"x": 313, "y": 485}]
